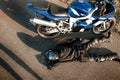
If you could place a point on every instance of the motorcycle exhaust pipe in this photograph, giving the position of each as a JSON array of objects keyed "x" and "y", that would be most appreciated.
[{"x": 43, "y": 22}]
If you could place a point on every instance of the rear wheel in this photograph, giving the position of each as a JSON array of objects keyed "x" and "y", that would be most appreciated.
[{"x": 47, "y": 32}]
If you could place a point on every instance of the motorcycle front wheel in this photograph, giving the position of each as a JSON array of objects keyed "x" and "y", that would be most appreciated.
[
  {"x": 43, "y": 31},
  {"x": 101, "y": 29}
]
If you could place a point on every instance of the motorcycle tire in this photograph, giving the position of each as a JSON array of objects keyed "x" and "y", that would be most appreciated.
[
  {"x": 99, "y": 29},
  {"x": 43, "y": 33}
]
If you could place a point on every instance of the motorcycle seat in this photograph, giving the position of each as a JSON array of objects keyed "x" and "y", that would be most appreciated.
[
  {"x": 58, "y": 11},
  {"x": 49, "y": 9}
]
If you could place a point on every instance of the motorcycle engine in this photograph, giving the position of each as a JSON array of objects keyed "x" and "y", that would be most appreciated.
[{"x": 63, "y": 27}]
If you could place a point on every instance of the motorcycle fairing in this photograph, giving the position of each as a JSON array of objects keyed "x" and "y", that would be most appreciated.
[
  {"x": 100, "y": 20},
  {"x": 85, "y": 25},
  {"x": 78, "y": 9},
  {"x": 46, "y": 13},
  {"x": 106, "y": 17}
]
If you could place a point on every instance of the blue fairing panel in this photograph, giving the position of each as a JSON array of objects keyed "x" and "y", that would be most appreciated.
[
  {"x": 46, "y": 13},
  {"x": 82, "y": 8},
  {"x": 85, "y": 25}
]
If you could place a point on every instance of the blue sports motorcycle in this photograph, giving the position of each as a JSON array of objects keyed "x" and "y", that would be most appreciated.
[{"x": 81, "y": 16}]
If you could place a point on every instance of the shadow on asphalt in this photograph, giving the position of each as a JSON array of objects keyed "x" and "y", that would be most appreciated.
[
  {"x": 117, "y": 60},
  {"x": 6, "y": 66},
  {"x": 19, "y": 61},
  {"x": 42, "y": 59},
  {"x": 38, "y": 43},
  {"x": 17, "y": 13},
  {"x": 103, "y": 52}
]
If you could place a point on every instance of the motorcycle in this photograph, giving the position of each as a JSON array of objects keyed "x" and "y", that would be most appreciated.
[{"x": 81, "y": 16}]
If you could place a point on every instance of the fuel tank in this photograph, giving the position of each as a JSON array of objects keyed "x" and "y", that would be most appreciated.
[{"x": 80, "y": 8}]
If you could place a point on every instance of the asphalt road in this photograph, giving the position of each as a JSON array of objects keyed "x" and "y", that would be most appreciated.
[{"x": 21, "y": 52}]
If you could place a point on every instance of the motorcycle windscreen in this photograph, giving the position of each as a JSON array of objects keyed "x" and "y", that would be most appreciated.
[{"x": 79, "y": 9}]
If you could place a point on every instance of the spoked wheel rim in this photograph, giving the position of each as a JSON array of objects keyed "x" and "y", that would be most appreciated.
[
  {"x": 99, "y": 29},
  {"x": 42, "y": 32}
]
